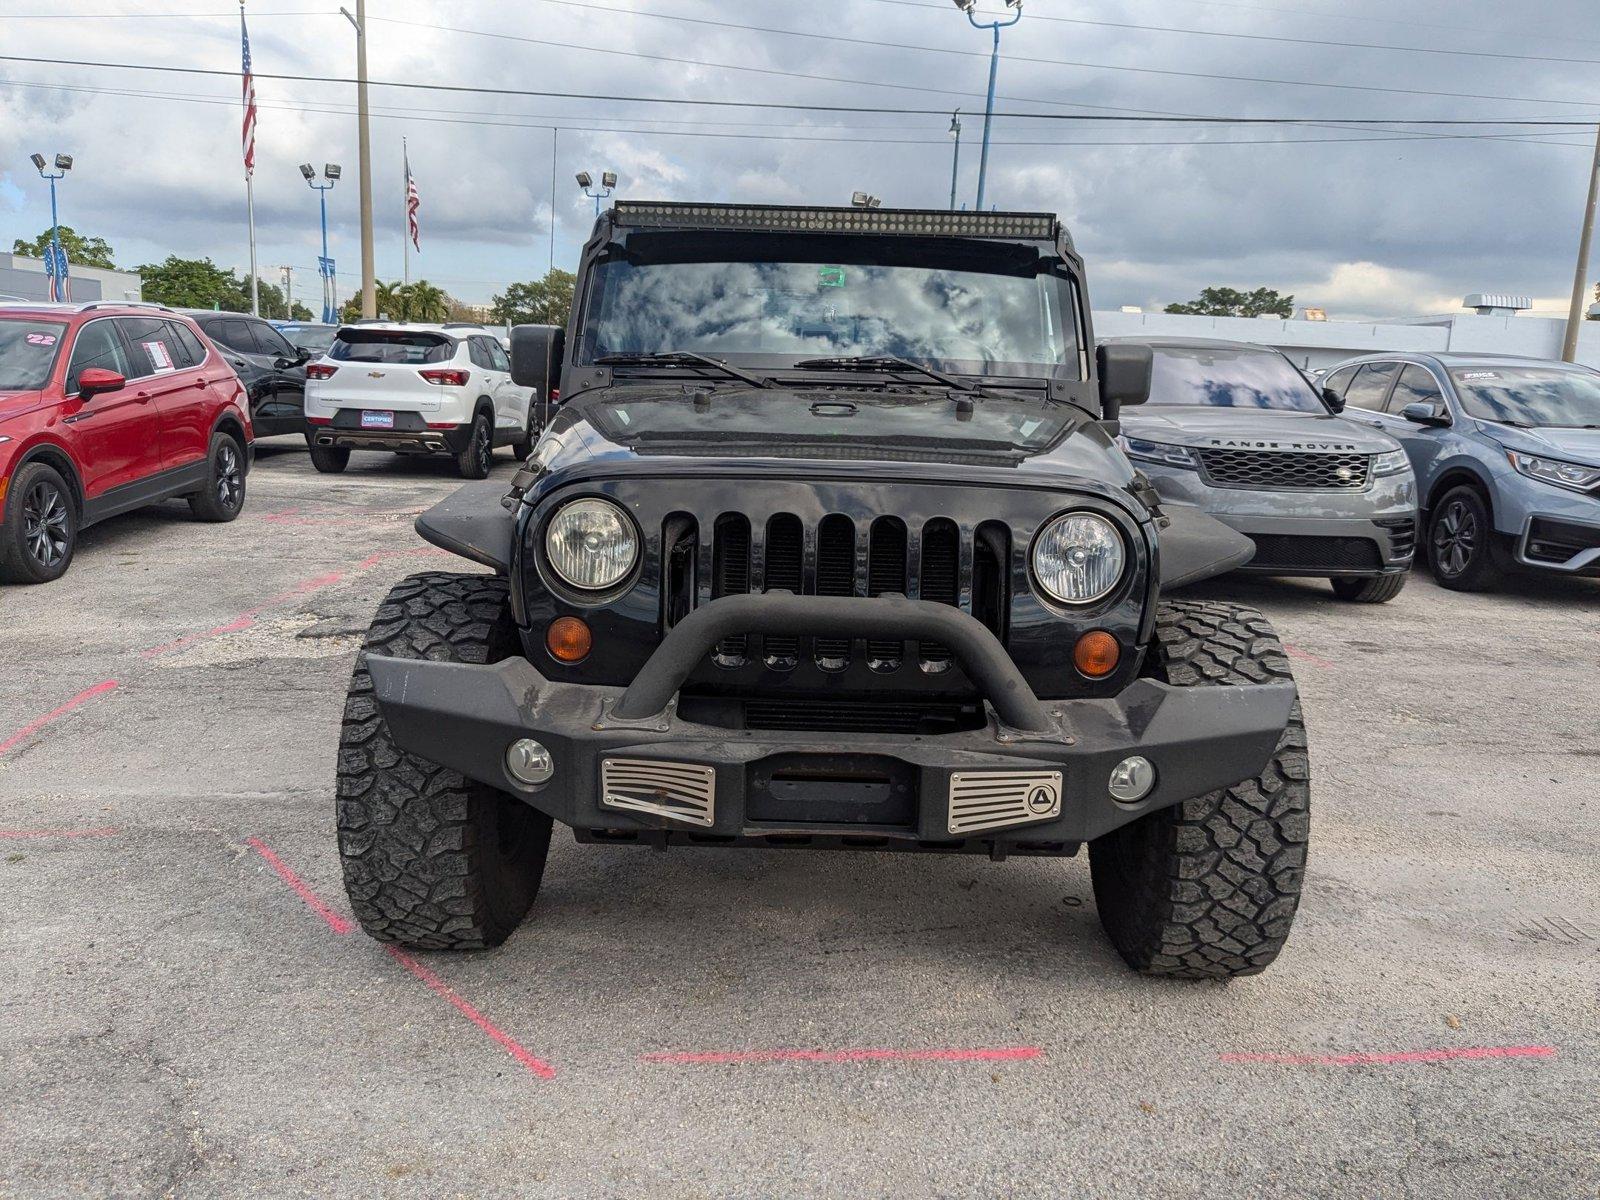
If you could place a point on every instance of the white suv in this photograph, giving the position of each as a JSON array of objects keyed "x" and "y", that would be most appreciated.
[{"x": 416, "y": 389}]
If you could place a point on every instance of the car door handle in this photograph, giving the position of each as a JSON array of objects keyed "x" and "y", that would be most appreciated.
[{"x": 142, "y": 397}]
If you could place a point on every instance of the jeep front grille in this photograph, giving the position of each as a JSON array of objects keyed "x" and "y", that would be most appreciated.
[
  {"x": 1285, "y": 470},
  {"x": 996, "y": 799},
  {"x": 682, "y": 791}
]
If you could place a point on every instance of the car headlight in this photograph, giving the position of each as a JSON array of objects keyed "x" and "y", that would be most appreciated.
[
  {"x": 1390, "y": 462},
  {"x": 1550, "y": 470},
  {"x": 1157, "y": 452},
  {"x": 591, "y": 544},
  {"x": 1078, "y": 558}
]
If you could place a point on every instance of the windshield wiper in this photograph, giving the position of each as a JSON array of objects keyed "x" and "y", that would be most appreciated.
[
  {"x": 883, "y": 362},
  {"x": 680, "y": 358}
]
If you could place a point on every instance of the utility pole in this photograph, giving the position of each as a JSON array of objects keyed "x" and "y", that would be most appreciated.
[
  {"x": 288, "y": 292},
  {"x": 1580, "y": 281},
  {"x": 955, "y": 157},
  {"x": 369, "y": 286}
]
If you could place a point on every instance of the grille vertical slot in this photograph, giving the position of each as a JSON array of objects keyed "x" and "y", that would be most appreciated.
[
  {"x": 991, "y": 577},
  {"x": 730, "y": 576},
  {"x": 940, "y": 580},
  {"x": 785, "y": 549},
  {"x": 836, "y": 576},
  {"x": 680, "y": 549},
  {"x": 886, "y": 573}
]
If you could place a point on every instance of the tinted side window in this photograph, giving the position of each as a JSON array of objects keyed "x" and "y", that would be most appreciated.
[
  {"x": 1417, "y": 386},
  {"x": 192, "y": 346},
  {"x": 271, "y": 341},
  {"x": 1340, "y": 380},
  {"x": 1371, "y": 386},
  {"x": 154, "y": 345},
  {"x": 480, "y": 356},
  {"x": 235, "y": 335},
  {"x": 98, "y": 346},
  {"x": 497, "y": 353}
]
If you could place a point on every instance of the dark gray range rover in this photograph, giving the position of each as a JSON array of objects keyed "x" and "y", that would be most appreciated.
[{"x": 829, "y": 545}]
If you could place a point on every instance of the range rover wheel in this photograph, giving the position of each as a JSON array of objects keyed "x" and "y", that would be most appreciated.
[
  {"x": 477, "y": 456},
  {"x": 1207, "y": 889},
  {"x": 1375, "y": 589},
  {"x": 431, "y": 859},
  {"x": 222, "y": 498},
  {"x": 328, "y": 460},
  {"x": 40, "y": 530},
  {"x": 1460, "y": 542}
]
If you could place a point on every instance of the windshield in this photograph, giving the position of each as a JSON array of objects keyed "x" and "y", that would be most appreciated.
[
  {"x": 1230, "y": 378},
  {"x": 391, "y": 346},
  {"x": 773, "y": 313},
  {"x": 27, "y": 352},
  {"x": 309, "y": 337},
  {"x": 1530, "y": 395}
]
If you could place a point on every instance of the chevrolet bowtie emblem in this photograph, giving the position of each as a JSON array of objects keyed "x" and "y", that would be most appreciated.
[{"x": 376, "y": 374}]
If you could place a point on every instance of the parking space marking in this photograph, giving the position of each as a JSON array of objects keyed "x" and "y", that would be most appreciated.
[
  {"x": 512, "y": 1047},
  {"x": 18, "y": 834},
  {"x": 335, "y": 922},
  {"x": 55, "y": 714},
  {"x": 964, "y": 1054},
  {"x": 1307, "y": 656},
  {"x": 1447, "y": 1054}
]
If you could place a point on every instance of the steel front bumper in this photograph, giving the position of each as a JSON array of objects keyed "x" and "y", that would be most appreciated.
[{"x": 626, "y": 763}]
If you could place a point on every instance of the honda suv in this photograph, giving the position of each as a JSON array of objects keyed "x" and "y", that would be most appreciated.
[
  {"x": 412, "y": 389},
  {"x": 106, "y": 408}
]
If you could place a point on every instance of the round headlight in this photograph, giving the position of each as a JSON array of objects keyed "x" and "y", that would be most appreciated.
[
  {"x": 1078, "y": 558},
  {"x": 591, "y": 544}
]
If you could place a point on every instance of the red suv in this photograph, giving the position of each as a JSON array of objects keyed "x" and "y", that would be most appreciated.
[{"x": 106, "y": 408}]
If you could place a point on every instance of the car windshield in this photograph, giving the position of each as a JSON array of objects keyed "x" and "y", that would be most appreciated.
[
  {"x": 27, "y": 352},
  {"x": 391, "y": 346},
  {"x": 1014, "y": 318},
  {"x": 1530, "y": 395},
  {"x": 1225, "y": 377},
  {"x": 310, "y": 337}
]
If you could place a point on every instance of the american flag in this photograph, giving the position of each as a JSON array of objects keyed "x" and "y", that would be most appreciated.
[
  {"x": 249, "y": 131},
  {"x": 413, "y": 204}
]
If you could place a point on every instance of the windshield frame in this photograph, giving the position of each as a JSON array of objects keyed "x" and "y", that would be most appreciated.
[
  {"x": 1319, "y": 405},
  {"x": 63, "y": 331},
  {"x": 1466, "y": 398},
  {"x": 983, "y": 256}
]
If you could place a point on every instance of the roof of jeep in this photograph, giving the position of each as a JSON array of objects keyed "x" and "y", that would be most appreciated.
[{"x": 798, "y": 218}]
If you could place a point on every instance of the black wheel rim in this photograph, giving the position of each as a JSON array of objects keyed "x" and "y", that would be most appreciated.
[
  {"x": 46, "y": 525},
  {"x": 230, "y": 477},
  {"x": 480, "y": 443},
  {"x": 1455, "y": 538}
]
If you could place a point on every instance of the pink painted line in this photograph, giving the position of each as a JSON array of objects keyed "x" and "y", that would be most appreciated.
[
  {"x": 17, "y": 834},
  {"x": 335, "y": 922},
  {"x": 1306, "y": 656},
  {"x": 372, "y": 560},
  {"x": 1447, "y": 1054},
  {"x": 979, "y": 1054},
  {"x": 55, "y": 714},
  {"x": 512, "y": 1047}
]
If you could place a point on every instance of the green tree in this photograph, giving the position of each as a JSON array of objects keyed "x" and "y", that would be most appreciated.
[
  {"x": 81, "y": 251},
  {"x": 196, "y": 283},
  {"x": 1227, "y": 302},
  {"x": 546, "y": 301},
  {"x": 425, "y": 302}
]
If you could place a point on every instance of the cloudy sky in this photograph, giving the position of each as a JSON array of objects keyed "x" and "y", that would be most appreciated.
[{"x": 1367, "y": 221}]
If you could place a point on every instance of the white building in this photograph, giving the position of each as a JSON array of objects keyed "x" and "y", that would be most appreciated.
[
  {"x": 1495, "y": 325},
  {"x": 24, "y": 278}
]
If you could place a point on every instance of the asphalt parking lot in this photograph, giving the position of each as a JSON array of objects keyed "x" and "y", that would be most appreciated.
[{"x": 187, "y": 1010}]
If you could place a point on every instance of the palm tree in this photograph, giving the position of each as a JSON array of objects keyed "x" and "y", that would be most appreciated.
[
  {"x": 393, "y": 301},
  {"x": 426, "y": 302}
]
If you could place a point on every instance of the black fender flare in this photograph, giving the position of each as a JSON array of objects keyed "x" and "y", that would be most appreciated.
[{"x": 473, "y": 523}]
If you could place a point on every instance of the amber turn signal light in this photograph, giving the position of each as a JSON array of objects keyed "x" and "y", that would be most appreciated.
[
  {"x": 1096, "y": 654},
  {"x": 568, "y": 639}
]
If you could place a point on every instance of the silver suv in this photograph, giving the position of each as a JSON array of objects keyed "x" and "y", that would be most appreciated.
[{"x": 1237, "y": 430}]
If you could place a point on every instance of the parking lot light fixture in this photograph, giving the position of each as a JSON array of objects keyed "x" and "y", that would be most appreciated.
[
  {"x": 331, "y": 172},
  {"x": 55, "y": 258},
  {"x": 967, "y": 6},
  {"x": 955, "y": 156},
  {"x": 308, "y": 171},
  {"x": 608, "y": 184}
]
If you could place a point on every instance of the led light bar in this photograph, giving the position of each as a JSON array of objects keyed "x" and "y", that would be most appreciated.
[{"x": 904, "y": 221}]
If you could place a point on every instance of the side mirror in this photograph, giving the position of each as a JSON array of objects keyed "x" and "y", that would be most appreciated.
[
  {"x": 1425, "y": 412},
  {"x": 283, "y": 364},
  {"x": 536, "y": 353},
  {"x": 1333, "y": 400},
  {"x": 1125, "y": 370},
  {"x": 94, "y": 381},
  {"x": 302, "y": 354}
]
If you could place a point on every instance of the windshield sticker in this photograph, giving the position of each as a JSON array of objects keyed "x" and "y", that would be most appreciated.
[
  {"x": 831, "y": 277},
  {"x": 41, "y": 339},
  {"x": 622, "y": 415},
  {"x": 1480, "y": 375},
  {"x": 1029, "y": 426},
  {"x": 160, "y": 359}
]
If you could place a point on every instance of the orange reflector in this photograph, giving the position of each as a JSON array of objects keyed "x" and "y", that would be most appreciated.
[
  {"x": 1096, "y": 654},
  {"x": 568, "y": 639}
]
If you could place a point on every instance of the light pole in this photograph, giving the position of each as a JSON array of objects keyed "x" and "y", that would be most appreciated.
[
  {"x": 369, "y": 282},
  {"x": 331, "y": 173},
  {"x": 55, "y": 264},
  {"x": 864, "y": 200},
  {"x": 995, "y": 27},
  {"x": 608, "y": 184},
  {"x": 1580, "y": 283},
  {"x": 955, "y": 157}
]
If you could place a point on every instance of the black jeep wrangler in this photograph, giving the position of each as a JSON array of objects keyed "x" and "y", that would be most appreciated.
[{"x": 829, "y": 544}]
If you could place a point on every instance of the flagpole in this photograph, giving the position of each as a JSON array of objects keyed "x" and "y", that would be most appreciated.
[
  {"x": 250, "y": 208},
  {"x": 405, "y": 229}
]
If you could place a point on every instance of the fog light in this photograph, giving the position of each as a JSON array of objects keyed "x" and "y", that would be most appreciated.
[
  {"x": 1132, "y": 779},
  {"x": 529, "y": 763}
]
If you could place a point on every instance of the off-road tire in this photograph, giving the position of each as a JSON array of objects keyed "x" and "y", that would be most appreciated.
[
  {"x": 477, "y": 456},
  {"x": 39, "y": 529},
  {"x": 1207, "y": 889},
  {"x": 433, "y": 860},
  {"x": 329, "y": 460},
  {"x": 222, "y": 498},
  {"x": 1373, "y": 589},
  {"x": 1466, "y": 507}
]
